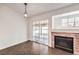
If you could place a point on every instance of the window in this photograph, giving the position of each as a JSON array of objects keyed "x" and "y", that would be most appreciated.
[
  {"x": 68, "y": 22},
  {"x": 71, "y": 21},
  {"x": 76, "y": 21},
  {"x": 64, "y": 22}
]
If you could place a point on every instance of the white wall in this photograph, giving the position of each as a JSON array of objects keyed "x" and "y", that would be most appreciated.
[
  {"x": 48, "y": 15},
  {"x": 13, "y": 28}
]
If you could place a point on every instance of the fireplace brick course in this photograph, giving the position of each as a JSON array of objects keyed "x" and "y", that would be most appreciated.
[{"x": 66, "y": 34}]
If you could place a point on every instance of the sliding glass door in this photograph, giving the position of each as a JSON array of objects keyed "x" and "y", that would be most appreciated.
[
  {"x": 40, "y": 31},
  {"x": 44, "y": 32},
  {"x": 36, "y": 31}
]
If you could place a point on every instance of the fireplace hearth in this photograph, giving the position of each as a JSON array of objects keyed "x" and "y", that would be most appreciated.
[{"x": 64, "y": 43}]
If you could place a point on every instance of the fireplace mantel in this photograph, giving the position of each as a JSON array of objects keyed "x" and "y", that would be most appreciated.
[{"x": 66, "y": 34}]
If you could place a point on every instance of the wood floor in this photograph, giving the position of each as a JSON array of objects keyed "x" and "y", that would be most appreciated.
[{"x": 32, "y": 48}]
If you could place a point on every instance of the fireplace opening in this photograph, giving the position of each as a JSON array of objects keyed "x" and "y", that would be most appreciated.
[{"x": 64, "y": 43}]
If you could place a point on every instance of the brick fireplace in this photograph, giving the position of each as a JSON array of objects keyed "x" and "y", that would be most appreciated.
[{"x": 66, "y": 41}]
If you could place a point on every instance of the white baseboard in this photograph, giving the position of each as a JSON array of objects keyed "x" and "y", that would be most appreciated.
[{"x": 7, "y": 46}]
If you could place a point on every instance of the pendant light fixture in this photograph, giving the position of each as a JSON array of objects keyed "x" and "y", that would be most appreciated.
[{"x": 25, "y": 13}]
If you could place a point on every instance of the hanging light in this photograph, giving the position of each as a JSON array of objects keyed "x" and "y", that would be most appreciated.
[{"x": 25, "y": 13}]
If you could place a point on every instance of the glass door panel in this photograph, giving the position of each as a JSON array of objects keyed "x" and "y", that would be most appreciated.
[
  {"x": 36, "y": 31},
  {"x": 44, "y": 32},
  {"x": 45, "y": 35},
  {"x": 40, "y": 32}
]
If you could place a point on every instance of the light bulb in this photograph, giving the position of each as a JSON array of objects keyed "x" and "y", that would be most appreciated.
[{"x": 25, "y": 15}]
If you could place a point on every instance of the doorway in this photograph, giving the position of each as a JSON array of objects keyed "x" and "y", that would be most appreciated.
[{"x": 40, "y": 31}]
